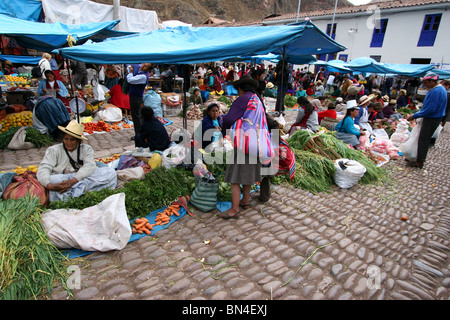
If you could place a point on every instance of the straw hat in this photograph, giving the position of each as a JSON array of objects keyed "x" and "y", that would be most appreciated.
[
  {"x": 385, "y": 98},
  {"x": 209, "y": 71},
  {"x": 393, "y": 101},
  {"x": 364, "y": 99},
  {"x": 270, "y": 85},
  {"x": 351, "y": 104},
  {"x": 74, "y": 129},
  {"x": 8, "y": 63}
]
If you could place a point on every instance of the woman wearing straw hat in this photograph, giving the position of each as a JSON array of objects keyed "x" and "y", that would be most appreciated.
[
  {"x": 68, "y": 169},
  {"x": 363, "y": 118}
]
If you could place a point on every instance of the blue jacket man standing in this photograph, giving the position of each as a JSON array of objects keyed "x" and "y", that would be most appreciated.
[
  {"x": 432, "y": 112},
  {"x": 137, "y": 77}
]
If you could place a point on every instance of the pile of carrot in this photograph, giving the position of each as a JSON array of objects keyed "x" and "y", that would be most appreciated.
[{"x": 142, "y": 225}]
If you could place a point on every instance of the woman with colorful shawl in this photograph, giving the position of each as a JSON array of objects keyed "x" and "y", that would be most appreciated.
[{"x": 246, "y": 125}]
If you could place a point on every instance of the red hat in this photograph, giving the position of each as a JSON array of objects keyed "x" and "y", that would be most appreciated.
[{"x": 431, "y": 76}]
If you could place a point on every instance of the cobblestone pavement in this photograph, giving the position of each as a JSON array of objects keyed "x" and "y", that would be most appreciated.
[{"x": 344, "y": 245}]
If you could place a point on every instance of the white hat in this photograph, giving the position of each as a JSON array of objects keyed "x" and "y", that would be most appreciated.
[
  {"x": 270, "y": 85},
  {"x": 351, "y": 104}
]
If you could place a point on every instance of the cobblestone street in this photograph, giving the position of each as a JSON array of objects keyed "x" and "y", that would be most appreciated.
[{"x": 344, "y": 245}]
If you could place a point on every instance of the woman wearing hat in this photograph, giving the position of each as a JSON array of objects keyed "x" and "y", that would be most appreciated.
[
  {"x": 246, "y": 125},
  {"x": 389, "y": 111},
  {"x": 346, "y": 130},
  {"x": 363, "y": 118},
  {"x": 402, "y": 100},
  {"x": 270, "y": 90},
  {"x": 68, "y": 169},
  {"x": 9, "y": 68}
]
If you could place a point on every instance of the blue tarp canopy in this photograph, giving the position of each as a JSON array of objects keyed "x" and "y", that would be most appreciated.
[
  {"x": 443, "y": 74},
  {"x": 272, "y": 58},
  {"x": 22, "y": 9},
  {"x": 368, "y": 65},
  {"x": 20, "y": 59},
  {"x": 49, "y": 36},
  {"x": 186, "y": 45},
  {"x": 333, "y": 65}
]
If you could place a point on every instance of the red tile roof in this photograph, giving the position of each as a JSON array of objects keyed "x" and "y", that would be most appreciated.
[{"x": 355, "y": 9}]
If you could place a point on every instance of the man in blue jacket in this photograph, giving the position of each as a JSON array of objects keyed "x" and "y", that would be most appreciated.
[
  {"x": 432, "y": 112},
  {"x": 137, "y": 77}
]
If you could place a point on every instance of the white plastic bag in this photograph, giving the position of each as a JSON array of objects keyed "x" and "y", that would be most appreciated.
[
  {"x": 398, "y": 138},
  {"x": 99, "y": 91},
  {"x": 437, "y": 132},
  {"x": 103, "y": 227},
  {"x": 111, "y": 114},
  {"x": 173, "y": 156},
  {"x": 380, "y": 134},
  {"x": 348, "y": 173},
  {"x": 409, "y": 147}
]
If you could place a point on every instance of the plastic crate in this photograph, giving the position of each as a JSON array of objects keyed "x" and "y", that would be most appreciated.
[{"x": 169, "y": 111}]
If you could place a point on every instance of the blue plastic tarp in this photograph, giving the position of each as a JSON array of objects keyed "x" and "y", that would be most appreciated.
[
  {"x": 186, "y": 45},
  {"x": 443, "y": 74},
  {"x": 22, "y": 9},
  {"x": 49, "y": 36},
  {"x": 20, "y": 59}
]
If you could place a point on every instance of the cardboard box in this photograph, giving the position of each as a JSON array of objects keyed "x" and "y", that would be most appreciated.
[{"x": 15, "y": 98}]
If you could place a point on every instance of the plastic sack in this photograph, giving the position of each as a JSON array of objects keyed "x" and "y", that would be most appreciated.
[
  {"x": 363, "y": 142},
  {"x": 111, "y": 114},
  {"x": 173, "y": 156},
  {"x": 398, "y": 138},
  {"x": 99, "y": 92},
  {"x": 24, "y": 184},
  {"x": 409, "y": 147},
  {"x": 200, "y": 170},
  {"x": 437, "y": 132},
  {"x": 103, "y": 227},
  {"x": 381, "y": 145},
  {"x": 153, "y": 100},
  {"x": 18, "y": 141},
  {"x": 380, "y": 134},
  {"x": 348, "y": 173}
]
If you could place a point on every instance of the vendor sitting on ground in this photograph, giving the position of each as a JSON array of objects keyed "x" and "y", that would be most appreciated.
[
  {"x": 346, "y": 130},
  {"x": 329, "y": 113},
  {"x": 153, "y": 135},
  {"x": 269, "y": 91},
  {"x": 389, "y": 111},
  {"x": 196, "y": 97},
  {"x": 68, "y": 170},
  {"x": 307, "y": 117},
  {"x": 52, "y": 87},
  {"x": 211, "y": 130}
]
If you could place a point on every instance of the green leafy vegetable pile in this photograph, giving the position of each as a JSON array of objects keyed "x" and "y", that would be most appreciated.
[{"x": 160, "y": 188}]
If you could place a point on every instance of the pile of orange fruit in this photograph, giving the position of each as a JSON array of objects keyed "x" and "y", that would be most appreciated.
[{"x": 21, "y": 119}]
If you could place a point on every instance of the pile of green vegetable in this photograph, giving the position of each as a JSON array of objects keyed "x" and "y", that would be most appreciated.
[
  {"x": 31, "y": 135},
  {"x": 225, "y": 100},
  {"x": 29, "y": 263},
  {"x": 290, "y": 101},
  {"x": 160, "y": 188},
  {"x": 314, "y": 172}
]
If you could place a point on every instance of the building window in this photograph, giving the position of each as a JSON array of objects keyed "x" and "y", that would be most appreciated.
[
  {"x": 420, "y": 60},
  {"x": 327, "y": 57},
  {"x": 332, "y": 35},
  {"x": 378, "y": 33},
  {"x": 429, "y": 30},
  {"x": 343, "y": 57},
  {"x": 376, "y": 58}
]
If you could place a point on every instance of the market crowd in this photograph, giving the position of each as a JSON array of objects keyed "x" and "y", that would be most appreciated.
[{"x": 353, "y": 105}]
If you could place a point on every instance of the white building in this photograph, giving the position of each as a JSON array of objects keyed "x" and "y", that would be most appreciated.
[{"x": 406, "y": 31}]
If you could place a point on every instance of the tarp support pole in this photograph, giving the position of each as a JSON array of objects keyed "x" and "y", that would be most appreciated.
[{"x": 186, "y": 84}]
